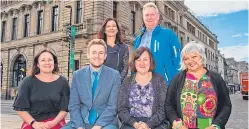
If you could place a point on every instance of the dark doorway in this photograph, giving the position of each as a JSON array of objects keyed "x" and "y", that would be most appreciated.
[{"x": 19, "y": 70}]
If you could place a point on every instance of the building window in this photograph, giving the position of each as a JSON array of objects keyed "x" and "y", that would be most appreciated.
[
  {"x": 14, "y": 28},
  {"x": 208, "y": 54},
  {"x": 190, "y": 28},
  {"x": 26, "y": 25},
  {"x": 3, "y": 31},
  {"x": 115, "y": 9},
  {"x": 173, "y": 14},
  {"x": 133, "y": 14},
  {"x": 169, "y": 12},
  {"x": 181, "y": 21},
  {"x": 76, "y": 64},
  {"x": 181, "y": 41},
  {"x": 206, "y": 51},
  {"x": 165, "y": 9},
  {"x": 79, "y": 12},
  {"x": 39, "y": 22},
  {"x": 55, "y": 18},
  {"x": 211, "y": 43}
]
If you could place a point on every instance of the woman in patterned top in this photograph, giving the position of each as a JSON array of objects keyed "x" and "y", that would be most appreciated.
[
  {"x": 117, "y": 51},
  {"x": 197, "y": 98},
  {"x": 142, "y": 95}
]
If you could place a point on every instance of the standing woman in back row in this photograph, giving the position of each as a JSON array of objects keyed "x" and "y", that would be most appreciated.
[
  {"x": 117, "y": 50},
  {"x": 43, "y": 97}
]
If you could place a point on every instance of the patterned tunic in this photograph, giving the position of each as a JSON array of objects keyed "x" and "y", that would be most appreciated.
[
  {"x": 198, "y": 102},
  {"x": 141, "y": 100}
]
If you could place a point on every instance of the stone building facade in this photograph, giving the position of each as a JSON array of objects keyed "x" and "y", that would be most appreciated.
[
  {"x": 221, "y": 64},
  {"x": 243, "y": 66},
  {"x": 232, "y": 71},
  {"x": 29, "y": 26}
]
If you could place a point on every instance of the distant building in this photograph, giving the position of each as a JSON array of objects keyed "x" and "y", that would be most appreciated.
[
  {"x": 221, "y": 65},
  {"x": 242, "y": 66},
  {"x": 232, "y": 71}
]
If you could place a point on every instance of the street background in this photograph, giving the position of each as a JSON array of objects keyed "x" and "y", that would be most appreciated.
[{"x": 238, "y": 118}]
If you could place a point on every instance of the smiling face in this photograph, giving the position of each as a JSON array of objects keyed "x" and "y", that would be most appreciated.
[
  {"x": 111, "y": 29},
  {"x": 150, "y": 17},
  {"x": 142, "y": 64},
  {"x": 45, "y": 63},
  {"x": 97, "y": 55},
  {"x": 193, "y": 61}
]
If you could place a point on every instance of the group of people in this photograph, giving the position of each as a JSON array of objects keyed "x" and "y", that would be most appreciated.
[{"x": 167, "y": 88}]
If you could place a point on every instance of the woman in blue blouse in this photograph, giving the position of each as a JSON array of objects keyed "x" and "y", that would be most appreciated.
[{"x": 142, "y": 95}]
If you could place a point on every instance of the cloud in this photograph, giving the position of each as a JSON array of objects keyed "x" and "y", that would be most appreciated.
[
  {"x": 239, "y": 52},
  {"x": 214, "y": 8},
  {"x": 236, "y": 35},
  {"x": 240, "y": 35}
]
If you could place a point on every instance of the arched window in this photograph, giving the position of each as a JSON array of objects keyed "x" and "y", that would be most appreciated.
[{"x": 19, "y": 70}]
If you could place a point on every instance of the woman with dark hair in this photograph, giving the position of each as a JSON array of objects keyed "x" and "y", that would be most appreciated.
[
  {"x": 43, "y": 97},
  {"x": 142, "y": 95},
  {"x": 117, "y": 51}
]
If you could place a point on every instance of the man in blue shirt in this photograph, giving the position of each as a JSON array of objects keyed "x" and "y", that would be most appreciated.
[
  {"x": 94, "y": 92},
  {"x": 162, "y": 42}
]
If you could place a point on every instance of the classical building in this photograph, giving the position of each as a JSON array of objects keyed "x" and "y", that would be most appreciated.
[
  {"x": 232, "y": 71},
  {"x": 221, "y": 64},
  {"x": 242, "y": 66},
  {"x": 29, "y": 26}
]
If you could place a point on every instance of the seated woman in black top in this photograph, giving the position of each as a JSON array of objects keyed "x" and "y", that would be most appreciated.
[
  {"x": 142, "y": 96},
  {"x": 42, "y": 100}
]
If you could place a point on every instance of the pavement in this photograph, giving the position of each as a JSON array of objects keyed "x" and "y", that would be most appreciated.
[
  {"x": 9, "y": 118},
  {"x": 238, "y": 120}
]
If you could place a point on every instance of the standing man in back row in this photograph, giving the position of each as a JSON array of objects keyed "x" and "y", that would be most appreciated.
[{"x": 162, "y": 42}]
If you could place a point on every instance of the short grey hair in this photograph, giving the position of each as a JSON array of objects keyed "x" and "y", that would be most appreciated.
[
  {"x": 193, "y": 46},
  {"x": 150, "y": 5}
]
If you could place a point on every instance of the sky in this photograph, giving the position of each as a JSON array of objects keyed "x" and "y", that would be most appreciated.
[{"x": 229, "y": 21}]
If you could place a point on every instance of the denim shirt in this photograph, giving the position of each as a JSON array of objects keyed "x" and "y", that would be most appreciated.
[{"x": 146, "y": 39}]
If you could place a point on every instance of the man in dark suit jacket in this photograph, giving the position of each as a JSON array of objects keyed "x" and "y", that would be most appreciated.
[{"x": 94, "y": 92}]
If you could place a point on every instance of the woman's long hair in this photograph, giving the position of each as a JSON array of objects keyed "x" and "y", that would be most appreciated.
[{"x": 102, "y": 35}]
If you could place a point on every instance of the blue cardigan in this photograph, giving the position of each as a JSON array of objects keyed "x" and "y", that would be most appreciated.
[{"x": 166, "y": 49}]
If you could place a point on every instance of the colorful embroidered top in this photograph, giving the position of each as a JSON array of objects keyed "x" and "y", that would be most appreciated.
[
  {"x": 141, "y": 100},
  {"x": 198, "y": 102}
]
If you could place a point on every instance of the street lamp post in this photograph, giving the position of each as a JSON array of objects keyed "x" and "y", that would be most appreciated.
[{"x": 69, "y": 46}]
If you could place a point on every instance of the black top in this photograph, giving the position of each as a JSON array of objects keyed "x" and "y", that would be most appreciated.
[
  {"x": 117, "y": 58},
  {"x": 224, "y": 106},
  {"x": 42, "y": 100},
  {"x": 160, "y": 89}
]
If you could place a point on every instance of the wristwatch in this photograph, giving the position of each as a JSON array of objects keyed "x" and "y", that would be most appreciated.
[{"x": 32, "y": 122}]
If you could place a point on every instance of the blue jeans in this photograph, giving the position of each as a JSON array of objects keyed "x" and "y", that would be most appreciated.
[{"x": 69, "y": 126}]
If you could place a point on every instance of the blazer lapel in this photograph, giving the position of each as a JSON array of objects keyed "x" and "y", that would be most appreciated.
[
  {"x": 88, "y": 80},
  {"x": 101, "y": 82}
]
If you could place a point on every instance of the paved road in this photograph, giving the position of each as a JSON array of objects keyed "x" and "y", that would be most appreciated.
[
  {"x": 239, "y": 115},
  {"x": 238, "y": 118}
]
